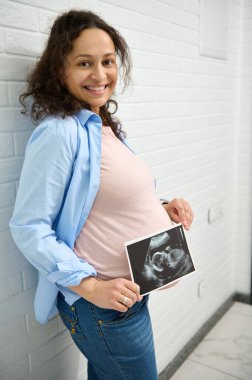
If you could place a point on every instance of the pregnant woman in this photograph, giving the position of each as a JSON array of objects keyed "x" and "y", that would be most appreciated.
[{"x": 82, "y": 194}]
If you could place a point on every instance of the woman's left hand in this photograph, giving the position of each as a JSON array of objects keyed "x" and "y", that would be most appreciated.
[{"x": 180, "y": 212}]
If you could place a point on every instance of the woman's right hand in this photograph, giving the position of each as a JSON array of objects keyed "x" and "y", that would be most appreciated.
[{"x": 110, "y": 294}]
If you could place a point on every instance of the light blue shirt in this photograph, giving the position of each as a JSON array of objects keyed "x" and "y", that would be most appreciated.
[{"x": 58, "y": 184}]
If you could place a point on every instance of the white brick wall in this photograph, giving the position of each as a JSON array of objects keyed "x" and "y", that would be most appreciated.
[
  {"x": 244, "y": 185},
  {"x": 188, "y": 116}
]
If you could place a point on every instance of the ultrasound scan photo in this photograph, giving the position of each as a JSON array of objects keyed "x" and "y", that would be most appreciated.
[{"x": 158, "y": 260}]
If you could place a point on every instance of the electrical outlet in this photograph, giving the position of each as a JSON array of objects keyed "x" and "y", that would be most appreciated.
[
  {"x": 214, "y": 214},
  {"x": 201, "y": 288}
]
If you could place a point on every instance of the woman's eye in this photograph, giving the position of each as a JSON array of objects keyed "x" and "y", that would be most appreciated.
[
  {"x": 109, "y": 62},
  {"x": 85, "y": 64}
]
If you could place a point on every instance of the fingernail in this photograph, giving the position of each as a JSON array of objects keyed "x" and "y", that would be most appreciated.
[{"x": 187, "y": 226}]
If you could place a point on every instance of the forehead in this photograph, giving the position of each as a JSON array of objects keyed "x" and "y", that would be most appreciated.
[{"x": 94, "y": 42}]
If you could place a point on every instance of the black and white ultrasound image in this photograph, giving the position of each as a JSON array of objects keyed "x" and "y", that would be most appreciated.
[{"x": 158, "y": 260}]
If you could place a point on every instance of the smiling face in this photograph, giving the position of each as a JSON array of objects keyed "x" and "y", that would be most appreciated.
[{"x": 91, "y": 71}]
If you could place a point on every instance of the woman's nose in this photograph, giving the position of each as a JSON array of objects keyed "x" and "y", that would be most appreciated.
[{"x": 98, "y": 74}]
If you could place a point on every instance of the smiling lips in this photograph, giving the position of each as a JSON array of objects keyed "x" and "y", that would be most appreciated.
[{"x": 96, "y": 90}]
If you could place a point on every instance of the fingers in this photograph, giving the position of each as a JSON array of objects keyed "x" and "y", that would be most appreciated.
[
  {"x": 134, "y": 290},
  {"x": 180, "y": 211},
  {"x": 123, "y": 303},
  {"x": 126, "y": 301},
  {"x": 187, "y": 214},
  {"x": 118, "y": 294},
  {"x": 129, "y": 293},
  {"x": 120, "y": 307},
  {"x": 128, "y": 298}
]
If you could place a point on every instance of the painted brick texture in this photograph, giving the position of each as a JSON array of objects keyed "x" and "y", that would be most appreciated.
[
  {"x": 189, "y": 117},
  {"x": 244, "y": 159}
]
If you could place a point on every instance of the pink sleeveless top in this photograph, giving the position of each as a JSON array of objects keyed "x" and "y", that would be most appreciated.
[{"x": 126, "y": 207}]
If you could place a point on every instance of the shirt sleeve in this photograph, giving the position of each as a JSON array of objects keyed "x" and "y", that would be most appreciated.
[{"x": 45, "y": 175}]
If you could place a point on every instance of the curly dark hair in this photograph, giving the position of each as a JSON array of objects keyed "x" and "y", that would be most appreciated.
[{"x": 49, "y": 95}]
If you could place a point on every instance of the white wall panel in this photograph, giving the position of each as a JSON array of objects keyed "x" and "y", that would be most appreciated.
[{"x": 189, "y": 117}]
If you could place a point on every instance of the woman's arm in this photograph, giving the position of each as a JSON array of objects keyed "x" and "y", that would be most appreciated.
[{"x": 46, "y": 173}]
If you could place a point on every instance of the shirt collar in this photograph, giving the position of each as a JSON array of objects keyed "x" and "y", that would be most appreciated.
[{"x": 84, "y": 115}]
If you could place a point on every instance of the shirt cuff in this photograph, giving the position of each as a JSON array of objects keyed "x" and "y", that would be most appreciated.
[{"x": 71, "y": 274}]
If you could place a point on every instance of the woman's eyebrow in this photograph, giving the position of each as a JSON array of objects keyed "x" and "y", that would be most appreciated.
[{"x": 91, "y": 56}]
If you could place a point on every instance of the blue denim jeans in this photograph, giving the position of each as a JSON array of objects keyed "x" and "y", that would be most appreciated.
[{"x": 118, "y": 346}]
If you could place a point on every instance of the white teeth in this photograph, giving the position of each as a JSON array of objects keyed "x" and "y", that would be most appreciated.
[{"x": 95, "y": 88}]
